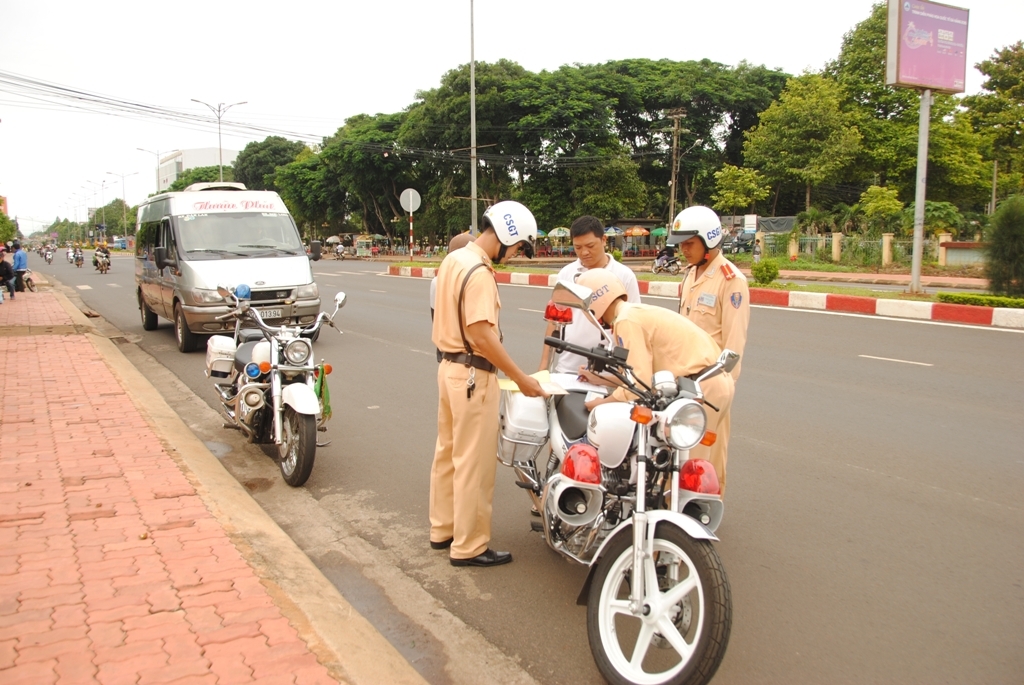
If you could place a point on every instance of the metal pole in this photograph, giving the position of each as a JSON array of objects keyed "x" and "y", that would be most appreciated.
[
  {"x": 919, "y": 195},
  {"x": 220, "y": 148},
  {"x": 472, "y": 123},
  {"x": 995, "y": 178},
  {"x": 411, "y": 243},
  {"x": 675, "y": 149}
]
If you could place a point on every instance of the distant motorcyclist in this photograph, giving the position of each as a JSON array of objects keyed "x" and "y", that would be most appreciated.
[
  {"x": 666, "y": 254},
  {"x": 102, "y": 249}
]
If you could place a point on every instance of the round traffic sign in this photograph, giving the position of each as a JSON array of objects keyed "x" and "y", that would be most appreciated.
[{"x": 410, "y": 200}]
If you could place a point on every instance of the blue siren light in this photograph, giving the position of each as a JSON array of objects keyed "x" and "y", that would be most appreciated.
[
  {"x": 252, "y": 370},
  {"x": 243, "y": 292}
]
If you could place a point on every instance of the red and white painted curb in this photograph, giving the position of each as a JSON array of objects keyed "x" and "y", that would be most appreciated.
[{"x": 1002, "y": 317}]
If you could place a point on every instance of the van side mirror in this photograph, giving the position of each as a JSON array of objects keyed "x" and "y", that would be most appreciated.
[
  {"x": 160, "y": 258},
  {"x": 315, "y": 251}
]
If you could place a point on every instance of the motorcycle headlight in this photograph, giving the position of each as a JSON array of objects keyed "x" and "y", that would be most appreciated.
[
  {"x": 203, "y": 296},
  {"x": 298, "y": 351},
  {"x": 683, "y": 424},
  {"x": 304, "y": 292}
]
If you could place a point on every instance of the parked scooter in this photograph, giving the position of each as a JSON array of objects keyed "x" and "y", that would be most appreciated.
[
  {"x": 269, "y": 385},
  {"x": 671, "y": 265},
  {"x": 616, "y": 490}
]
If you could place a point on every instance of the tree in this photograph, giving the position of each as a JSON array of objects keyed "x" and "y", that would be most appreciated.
[
  {"x": 257, "y": 164},
  {"x": 200, "y": 174},
  {"x": 804, "y": 136},
  {"x": 817, "y": 220},
  {"x": 998, "y": 112},
  {"x": 881, "y": 206},
  {"x": 8, "y": 229},
  {"x": 1005, "y": 265},
  {"x": 938, "y": 216},
  {"x": 848, "y": 218},
  {"x": 313, "y": 194},
  {"x": 736, "y": 187}
]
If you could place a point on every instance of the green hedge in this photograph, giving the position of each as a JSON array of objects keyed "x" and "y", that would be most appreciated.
[{"x": 982, "y": 300}]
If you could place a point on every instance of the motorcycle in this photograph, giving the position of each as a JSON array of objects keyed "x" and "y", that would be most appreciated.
[
  {"x": 48, "y": 256},
  {"x": 102, "y": 262},
  {"x": 269, "y": 385},
  {"x": 27, "y": 279},
  {"x": 79, "y": 259},
  {"x": 671, "y": 265},
  {"x": 71, "y": 257},
  {"x": 618, "y": 492}
]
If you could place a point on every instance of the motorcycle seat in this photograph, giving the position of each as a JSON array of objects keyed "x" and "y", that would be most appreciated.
[
  {"x": 572, "y": 414},
  {"x": 250, "y": 335},
  {"x": 243, "y": 355}
]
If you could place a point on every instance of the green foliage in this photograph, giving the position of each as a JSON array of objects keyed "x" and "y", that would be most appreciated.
[
  {"x": 881, "y": 207},
  {"x": 8, "y": 229},
  {"x": 982, "y": 300},
  {"x": 617, "y": 254},
  {"x": 848, "y": 218},
  {"x": 738, "y": 188},
  {"x": 1005, "y": 264},
  {"x": 257, "y": 164},
  {"x": 805, "y": 136},
  {"x": 939, "y": 217},
  {"x": 815, "y": 221},
  {"x": 200, "y": 174},
  {"x": 765, "y": 271}
]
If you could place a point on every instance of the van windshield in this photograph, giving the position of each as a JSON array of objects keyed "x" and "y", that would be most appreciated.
[{"x": 243, "y": 234}]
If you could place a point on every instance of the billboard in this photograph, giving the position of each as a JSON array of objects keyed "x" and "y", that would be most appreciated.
[{"x": 926, "y": 46}]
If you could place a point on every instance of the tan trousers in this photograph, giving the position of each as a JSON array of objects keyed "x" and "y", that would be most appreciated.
[
  {"x": 718, "y": 391},
  {"x": 465, "y": 460}
]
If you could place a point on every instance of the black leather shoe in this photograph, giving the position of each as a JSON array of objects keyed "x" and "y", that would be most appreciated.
[
  {"x": 486, "y": 558},
  {"x": 444, "y": 544}
]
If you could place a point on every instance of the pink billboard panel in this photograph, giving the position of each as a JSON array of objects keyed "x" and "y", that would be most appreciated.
[{"x": 927, "y": 45}]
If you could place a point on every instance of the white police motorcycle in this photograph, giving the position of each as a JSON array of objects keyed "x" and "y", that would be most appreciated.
[
  {"x": 269, "y": 384},
  {"x": 616, "y": 490}
]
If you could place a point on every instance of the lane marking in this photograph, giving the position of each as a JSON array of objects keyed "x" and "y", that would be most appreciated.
[
  {"x": 114, "y": 285},
  {"x": 376, "y": 406},
  {"x": 895, "y": 319},
  {"x": 378, "y": 291},
  {"x": 888, "y": 359},
  {"x": 84, "y": 287},
  {"x": 335, "y": 273},
  {"x": 538, "y": 311}
]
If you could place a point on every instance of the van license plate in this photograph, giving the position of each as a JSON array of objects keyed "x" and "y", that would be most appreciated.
[{"x": 270, "y": 313}]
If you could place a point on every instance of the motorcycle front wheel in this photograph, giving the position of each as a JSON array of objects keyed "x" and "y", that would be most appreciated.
[
  {"x": 30, "y": 284},
  {"x": 298, "y": 446},
  {"x": 688, "y": 604},
  {"x": 673, "y": 268}
]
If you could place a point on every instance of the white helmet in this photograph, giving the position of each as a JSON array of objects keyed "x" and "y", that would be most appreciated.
[
  {"x": 513, "y": 223},
  {"x": 605, "y": 288},
  {"x": 699, "y": 221}
]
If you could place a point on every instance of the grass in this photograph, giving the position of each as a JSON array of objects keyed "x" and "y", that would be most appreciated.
[{"x": 848, "y": 290}]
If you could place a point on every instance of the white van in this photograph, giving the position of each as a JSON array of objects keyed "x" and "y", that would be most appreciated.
[{"x": 220, "y": 233}]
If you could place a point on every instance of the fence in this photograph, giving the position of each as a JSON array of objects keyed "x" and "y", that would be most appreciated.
[{"x": 856, "y": 251}]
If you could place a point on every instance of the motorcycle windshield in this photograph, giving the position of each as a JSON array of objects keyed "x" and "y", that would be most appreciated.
[{"x": 237, "y": 235}]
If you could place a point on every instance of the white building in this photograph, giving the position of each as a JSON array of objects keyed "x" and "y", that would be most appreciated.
[{"x": 175, "y": 164}]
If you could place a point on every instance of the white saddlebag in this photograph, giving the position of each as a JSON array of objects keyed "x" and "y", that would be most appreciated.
[
  {"x": 220, "y": 356},
  {"x": 523, "y": 424}
]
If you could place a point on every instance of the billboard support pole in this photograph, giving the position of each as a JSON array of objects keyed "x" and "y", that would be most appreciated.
[{"x": 919, "y": 194}]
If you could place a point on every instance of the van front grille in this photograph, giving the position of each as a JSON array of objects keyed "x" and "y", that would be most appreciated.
[{"x": 267, "y": 295}]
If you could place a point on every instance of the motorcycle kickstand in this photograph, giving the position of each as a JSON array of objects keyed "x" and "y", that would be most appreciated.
[{"x": 323, "y": 444}]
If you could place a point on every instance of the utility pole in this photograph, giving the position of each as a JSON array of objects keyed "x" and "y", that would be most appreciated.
[
  {"x": 675, "y": 115},
  {"x": 995, "y": 178}
]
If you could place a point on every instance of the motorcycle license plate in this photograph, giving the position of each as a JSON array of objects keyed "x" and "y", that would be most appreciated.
[{"x": 270, "y": 313}]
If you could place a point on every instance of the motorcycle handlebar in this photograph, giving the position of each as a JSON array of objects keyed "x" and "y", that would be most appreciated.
[{"x": 596, "y": 354}]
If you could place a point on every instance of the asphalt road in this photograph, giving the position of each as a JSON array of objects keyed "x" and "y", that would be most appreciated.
[{"x": 873, "y": 529}]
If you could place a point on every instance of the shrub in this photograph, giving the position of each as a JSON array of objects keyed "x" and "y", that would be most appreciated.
[
  {"x": 1005, "y": 266},
  {"x": 765, "y": 271},
  {"x": 982, "y": 300},
  {"x": 617, "y": 254}
]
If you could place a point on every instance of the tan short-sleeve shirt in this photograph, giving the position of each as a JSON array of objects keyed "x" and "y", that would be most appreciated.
[
  {"x": 719, "y": 302},
  {"x": 480, "y": 303}
]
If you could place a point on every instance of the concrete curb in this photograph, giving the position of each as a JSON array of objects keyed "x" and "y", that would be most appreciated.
[
  {"x": 1001, "y": 317},
  {"x": 342, "y": 639}
]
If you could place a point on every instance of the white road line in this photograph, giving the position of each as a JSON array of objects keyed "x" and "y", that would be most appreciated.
[
  {"x": 84, "y": 287},
  {"x": 378, "y": 291},
  {"x": 894, "y": 319},
  {"x": 538, "y": 311},
  {"x": 114, "y": 285},
  {"x": 335, "y": 273},
  {"x": 887, "y": 359}
]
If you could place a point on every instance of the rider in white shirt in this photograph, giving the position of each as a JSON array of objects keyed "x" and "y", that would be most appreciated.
[{"x": 587, "y": 234}]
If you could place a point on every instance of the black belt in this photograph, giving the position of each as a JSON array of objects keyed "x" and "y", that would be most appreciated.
[{"x": 469, "y": 360}]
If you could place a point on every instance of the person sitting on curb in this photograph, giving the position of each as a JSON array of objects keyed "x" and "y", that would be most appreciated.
[{"x": 6, "y": 274}]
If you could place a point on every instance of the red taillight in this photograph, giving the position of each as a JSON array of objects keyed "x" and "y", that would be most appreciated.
[
  {"x": 698, "y": 475},
  {"x": 556, "y": 313},
  {"x": 582, "y": 465}
]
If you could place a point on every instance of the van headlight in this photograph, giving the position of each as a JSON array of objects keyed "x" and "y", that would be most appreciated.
[
  {"x": 305, "y": 292},
  {"x": 298, "y": 351},
  {"x": 203, "y": 296},
  {"x": 683, "y": 424}
]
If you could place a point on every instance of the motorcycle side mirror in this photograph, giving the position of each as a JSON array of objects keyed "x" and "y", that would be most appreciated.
[
  {"x": 728, "y": 360},
  {"x": 224, "y": 290},
  {"x": 577, "y": 296},
  {"x": 339, "y": 301}
]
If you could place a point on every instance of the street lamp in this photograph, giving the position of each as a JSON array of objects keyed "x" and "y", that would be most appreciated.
[
  {"x": 124, "y": 201},
  {"x": 157, "y": 153},
  {"x": 219, "y": 111}
]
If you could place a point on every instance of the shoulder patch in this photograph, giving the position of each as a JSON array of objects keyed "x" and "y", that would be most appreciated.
[{"x": 728, "y": 271}]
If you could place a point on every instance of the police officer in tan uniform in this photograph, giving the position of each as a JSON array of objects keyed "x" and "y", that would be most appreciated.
[
  {"x": 466, "y": 332},
  {"x": 714, "y": 296},
  {"x": 658, "y": 339}
]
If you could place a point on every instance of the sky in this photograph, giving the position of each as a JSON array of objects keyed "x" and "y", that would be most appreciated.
[{"x": 306, "y": 66}]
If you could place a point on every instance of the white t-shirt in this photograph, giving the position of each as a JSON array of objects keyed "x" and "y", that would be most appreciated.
[{"x": 581, "y": 332}]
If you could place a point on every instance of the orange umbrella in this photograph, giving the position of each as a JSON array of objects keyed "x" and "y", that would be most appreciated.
[{"x": 636, "y": 231}]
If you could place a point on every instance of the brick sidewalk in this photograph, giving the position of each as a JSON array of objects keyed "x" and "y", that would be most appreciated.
[{"x": 112, "y": 570}]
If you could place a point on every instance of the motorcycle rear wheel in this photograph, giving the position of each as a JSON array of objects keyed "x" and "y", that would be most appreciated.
[
  {"x": 30, "y": 284},
  {"x": 673, "y": 268},
  {"x": 689, "y": 622},
  {"x": 298, "y": 447}
]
